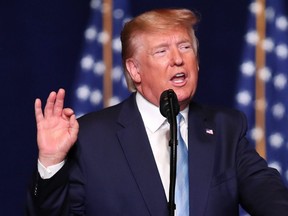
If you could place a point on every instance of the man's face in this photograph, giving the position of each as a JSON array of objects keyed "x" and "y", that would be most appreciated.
[{"x": 165, "y": 60}]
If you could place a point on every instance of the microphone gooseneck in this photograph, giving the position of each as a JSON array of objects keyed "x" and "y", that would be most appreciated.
[{"x": 169, "y": 108}]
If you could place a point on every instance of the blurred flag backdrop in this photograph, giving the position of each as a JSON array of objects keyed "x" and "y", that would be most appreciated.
[
  {"x": 89, "y": 88},
  {"x": 263, "y": 90}
]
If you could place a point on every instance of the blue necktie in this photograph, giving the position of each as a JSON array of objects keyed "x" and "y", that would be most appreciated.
[{"x": 182, "y": 179}]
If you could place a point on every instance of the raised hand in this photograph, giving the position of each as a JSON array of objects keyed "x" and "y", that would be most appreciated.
[{"x": 57, "y": 129}]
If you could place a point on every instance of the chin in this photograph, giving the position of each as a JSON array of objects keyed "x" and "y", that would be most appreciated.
[{"x": 184, "y": 100}]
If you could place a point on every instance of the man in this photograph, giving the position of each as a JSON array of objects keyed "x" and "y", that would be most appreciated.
[{"x": 119, "y": 164}]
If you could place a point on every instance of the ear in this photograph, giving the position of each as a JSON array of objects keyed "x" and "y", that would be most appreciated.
[{"x": 133, "y": 70}]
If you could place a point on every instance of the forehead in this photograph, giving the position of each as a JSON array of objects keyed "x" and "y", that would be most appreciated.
[{"x": 164, "y": 36}]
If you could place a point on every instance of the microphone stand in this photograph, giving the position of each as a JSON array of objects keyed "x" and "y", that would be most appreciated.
[
  {"x": 173, "y": 159},
  {"x": 169, "y": 108}
]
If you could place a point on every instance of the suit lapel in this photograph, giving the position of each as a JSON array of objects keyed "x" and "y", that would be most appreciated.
[
  {"x": 201, "y": 157},
  {"x": 139, "y": 155}
]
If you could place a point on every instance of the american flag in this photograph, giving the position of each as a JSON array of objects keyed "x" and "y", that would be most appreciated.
[
  {"x": 89, "y": 86},
  {"x": 272, "y": 72}
]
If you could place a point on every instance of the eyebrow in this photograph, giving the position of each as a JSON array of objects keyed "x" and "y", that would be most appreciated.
[{"x": 165, "y": 44}]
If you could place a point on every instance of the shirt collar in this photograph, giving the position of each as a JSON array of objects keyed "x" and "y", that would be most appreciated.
[
  {"x": 151, "y": 115},
  {"x": 184, "y": 113}
]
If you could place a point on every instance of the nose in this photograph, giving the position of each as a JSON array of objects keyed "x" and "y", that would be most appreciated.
[{"x": 176, "y": 57}]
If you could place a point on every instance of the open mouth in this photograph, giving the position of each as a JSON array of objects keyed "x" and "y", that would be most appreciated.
[{"x": 178, "y": 78}]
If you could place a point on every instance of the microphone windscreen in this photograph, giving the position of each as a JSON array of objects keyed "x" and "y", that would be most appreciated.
[{"x": 167, "y": 97}]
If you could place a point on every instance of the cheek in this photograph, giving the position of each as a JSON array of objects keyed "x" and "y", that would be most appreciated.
[
  {"x": 156, "y": 82},
  {"x": 154, "y": 73},
  {"x": 193, "y": 83},
  {"x": 194, "y": 78}
]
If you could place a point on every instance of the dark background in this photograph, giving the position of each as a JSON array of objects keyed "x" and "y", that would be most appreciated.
[{"x": 40, "y": 45}]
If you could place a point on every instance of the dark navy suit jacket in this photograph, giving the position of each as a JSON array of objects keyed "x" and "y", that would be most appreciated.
[{"x": 111, "y": 169}]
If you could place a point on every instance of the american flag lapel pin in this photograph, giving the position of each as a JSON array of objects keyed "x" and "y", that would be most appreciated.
[{"x": 209, "y": 131}]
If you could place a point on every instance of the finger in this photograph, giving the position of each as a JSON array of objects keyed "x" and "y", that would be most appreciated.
[
  {"x": 74, "y": 127},
  {"x": 73, "y": 122},
  {"x": 67, "y": 112},
  {"x": 59, "y": 103},
  {"x": 38, "y": 110},
  {"x": 48, "y": 110}
]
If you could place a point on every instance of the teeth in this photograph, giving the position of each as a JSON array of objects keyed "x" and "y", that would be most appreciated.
[
  {"x": 179, "y": 75},
  {"x": 178, "y": 81},
  {"x": 179, "y": 78}
]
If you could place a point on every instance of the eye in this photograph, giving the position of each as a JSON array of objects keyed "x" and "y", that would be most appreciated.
[
  {"x": 185, "y": 46},
  {"x": 160, "y": 52}
]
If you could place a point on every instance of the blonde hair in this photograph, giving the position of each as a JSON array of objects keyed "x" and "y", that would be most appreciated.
[{"x": 155, "y": 21}]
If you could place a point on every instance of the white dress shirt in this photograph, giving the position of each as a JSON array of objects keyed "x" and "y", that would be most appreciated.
[
  {"x": 157, "y": 128},
  {"x": 158, "y": 131}
]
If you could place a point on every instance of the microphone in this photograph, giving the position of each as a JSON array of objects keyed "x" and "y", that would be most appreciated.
[
  {"x": 169, "y": 105},
  {"x": 169, "y": 108}
]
